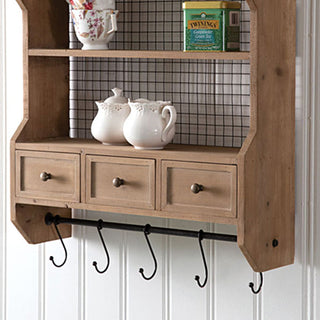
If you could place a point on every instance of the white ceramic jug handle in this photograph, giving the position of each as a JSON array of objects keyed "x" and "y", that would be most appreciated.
[
  {"x": 114, "y": 27},
  {"x": 171, "y": 123}
]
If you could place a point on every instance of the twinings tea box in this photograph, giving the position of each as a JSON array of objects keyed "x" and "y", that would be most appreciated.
[{"x": 211, "y": 25}]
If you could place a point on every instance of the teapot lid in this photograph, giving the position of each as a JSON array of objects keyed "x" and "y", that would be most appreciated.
[{"x": 118, "y": 98}]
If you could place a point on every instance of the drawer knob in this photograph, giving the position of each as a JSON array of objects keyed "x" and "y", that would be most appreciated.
[
  {"x": 44, "y": 176},
  {"x": 196, "y": 188},
  {"x": 117, "y": 182}
]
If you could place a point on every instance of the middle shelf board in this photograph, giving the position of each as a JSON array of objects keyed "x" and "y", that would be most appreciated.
[
  {"x": 140, "y": 54},
  {"x": 179, "y": 152}
]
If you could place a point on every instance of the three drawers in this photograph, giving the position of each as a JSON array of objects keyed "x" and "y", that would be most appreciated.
[
  {"x": 121, "y": 182},
  {"x": 48, "y": 175},
  {"x": 197, "y": 187},
  {"x": 186, "y": 187}
]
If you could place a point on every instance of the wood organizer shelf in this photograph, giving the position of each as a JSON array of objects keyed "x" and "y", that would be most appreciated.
[
  {"x": 251, "y": 187},
  {"x": 138, "y": 54}
]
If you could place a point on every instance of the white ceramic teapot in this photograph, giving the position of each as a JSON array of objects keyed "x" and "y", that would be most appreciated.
[
  {"x": 107, "y": 126},
  {"x": 151, "y": 124}
]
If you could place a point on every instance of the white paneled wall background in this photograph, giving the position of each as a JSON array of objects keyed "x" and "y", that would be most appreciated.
[{"x": 32, "y": 289}]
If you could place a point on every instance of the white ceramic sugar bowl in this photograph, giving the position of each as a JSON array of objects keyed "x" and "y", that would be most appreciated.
[
  {"x": 107, "y": 126},
  {"x": 151, "y": 124}
]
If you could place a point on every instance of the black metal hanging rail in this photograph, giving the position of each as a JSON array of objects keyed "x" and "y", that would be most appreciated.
[
  {"x": 50, "y": 218},
  {"x": 146, "y": 229}
]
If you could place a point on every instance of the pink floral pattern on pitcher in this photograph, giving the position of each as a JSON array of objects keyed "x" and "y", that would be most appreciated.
[
  {"x": 94, "y": 21},
  {"x": 92, "y": 4},
  {"x": 95, "y": 28},
  {"x": 82, "y": 4}
]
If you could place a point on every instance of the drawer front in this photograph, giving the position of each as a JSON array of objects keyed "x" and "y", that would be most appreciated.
[
  {"x": 214, "y": 188},
  {"x": 63, "y": 182},
  {"x": 135, "y": 187}
]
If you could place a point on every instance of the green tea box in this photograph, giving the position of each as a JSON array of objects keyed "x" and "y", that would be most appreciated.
[{"x": 211, "y": 25}]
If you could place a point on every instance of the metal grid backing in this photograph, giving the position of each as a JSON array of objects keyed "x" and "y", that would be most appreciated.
[{"x": 212, "y": 97}]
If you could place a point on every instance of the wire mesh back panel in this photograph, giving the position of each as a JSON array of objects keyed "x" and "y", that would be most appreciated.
[{"x": 212, "y": 97}]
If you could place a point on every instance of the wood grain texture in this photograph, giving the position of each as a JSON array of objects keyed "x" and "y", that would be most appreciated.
[
  {"x": 106, "y": 209},
  {"x": 219, "y": 194},
  {"x": 266, "y": 160},
  {"x": 47, "y": 23},
  {"x": 64, "y": 170},
  {"x": 47, "y": 89},
  {"x": 29, "y": 220},
  {"x": 137, "y": 175},
  {"x": 139, "y": 54},
  {"x": 192, "y": 153}
]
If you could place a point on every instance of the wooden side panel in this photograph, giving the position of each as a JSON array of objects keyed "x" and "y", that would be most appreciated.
[
  {"x": 46, "y": 89},
  {"x": 266, "y": 163},
  {"x": 48, "y": 106},
  {"x": 47, "y": 25},
  {"x": 29, "y": 220}
]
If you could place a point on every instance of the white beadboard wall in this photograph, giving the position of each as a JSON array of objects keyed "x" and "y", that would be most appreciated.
[{"x": 32, "y": 289}]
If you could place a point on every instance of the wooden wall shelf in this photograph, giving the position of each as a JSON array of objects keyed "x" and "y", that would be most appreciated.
[
  {"x": 251, "y": 187},
  {"x": 139, "y": 54}
]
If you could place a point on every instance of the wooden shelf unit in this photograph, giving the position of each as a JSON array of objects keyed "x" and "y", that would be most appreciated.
[{"x": 255, "y": 183}]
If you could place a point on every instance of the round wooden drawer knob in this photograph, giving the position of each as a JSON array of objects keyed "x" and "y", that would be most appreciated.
[
  {"x": 196, "y": 188},
  {"x": 44, "y": 176},
  {"x": 117, "y": 182}
]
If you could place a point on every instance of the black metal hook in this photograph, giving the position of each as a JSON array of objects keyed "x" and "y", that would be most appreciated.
[
  {"x": 251, "y": 285},
  {"x": 64, "y": 247},
  {"x": 197, "y": 278},
  {"x": 94, "y": 263},
  {"x": 146, "y": 231}
]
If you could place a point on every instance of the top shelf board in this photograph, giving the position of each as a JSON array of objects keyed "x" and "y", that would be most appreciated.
[
  {"x": 140, "y": 54},
  {"x": 191, "y": 153}
]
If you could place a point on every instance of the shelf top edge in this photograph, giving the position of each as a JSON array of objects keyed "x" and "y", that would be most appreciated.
[
  {"x": 140, "y": 54},
  {"x": 227, "y": 155}
]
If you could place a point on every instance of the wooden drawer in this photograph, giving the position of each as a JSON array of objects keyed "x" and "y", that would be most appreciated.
[
  {"x": 64, "y": 170},
  {"x": 137, "y": 190},
  {"x": 218, "y": 197}
]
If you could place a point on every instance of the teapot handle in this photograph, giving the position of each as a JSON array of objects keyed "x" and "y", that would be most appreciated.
[{"x": 171, "y": 123}]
